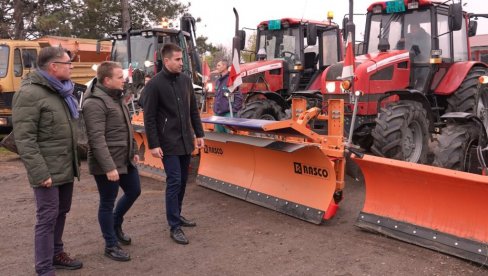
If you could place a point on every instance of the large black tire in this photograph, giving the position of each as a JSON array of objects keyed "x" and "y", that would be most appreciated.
[
  {"x": 402, "y": 132},
  {"x": 453, "y": 146},
  {"x": 464, "y": 99},
  {"x": 262, "y": 109}
]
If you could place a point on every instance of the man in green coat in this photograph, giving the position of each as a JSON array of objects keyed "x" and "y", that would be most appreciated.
[{"x": 44, "y": 113}]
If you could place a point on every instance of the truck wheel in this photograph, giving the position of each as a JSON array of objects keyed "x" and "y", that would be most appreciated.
[
  {"x": 463, "y": 100},
  {"x": 262, "y": 109},
  {"x": 402, "y": 132},
  {"x": 453, "y": 147}
]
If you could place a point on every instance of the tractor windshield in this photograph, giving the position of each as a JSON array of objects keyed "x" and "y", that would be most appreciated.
[
  {"x": 410, "y": 31},
  {"x": 142, "y": 49},
  {"x": 281, "y": 44},
  {"x": 4, "y": 50}
]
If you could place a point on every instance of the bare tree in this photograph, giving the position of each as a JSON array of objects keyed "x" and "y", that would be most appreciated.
[{"x": 125, "y": 15}]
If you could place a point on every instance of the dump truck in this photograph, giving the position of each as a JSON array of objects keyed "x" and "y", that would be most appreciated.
[
  {"x": 18, "y": 57},
  {"x": 290, "y": 55}
]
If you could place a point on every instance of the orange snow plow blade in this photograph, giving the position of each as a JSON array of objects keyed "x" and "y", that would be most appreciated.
[
  {"x": 437, "y": 208},
  {"x": 292, "y": 170}
]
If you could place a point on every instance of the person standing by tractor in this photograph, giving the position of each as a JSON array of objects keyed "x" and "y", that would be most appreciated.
[
  {"x": 223, "y": 98},
  {"x": 172, "y": 120},
  {"x": 112, "y": 155},
  {"x": 44, "y": 114}
]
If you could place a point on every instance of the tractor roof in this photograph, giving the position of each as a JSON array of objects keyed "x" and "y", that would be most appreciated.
[
  {"x": 297, "y": 21},
  {"x": 421, "y": 3}
]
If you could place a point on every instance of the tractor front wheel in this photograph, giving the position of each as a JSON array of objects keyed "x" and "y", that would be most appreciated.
[
  {"x": 262, "y": 109},
  {"x": 402, "y": 132}
]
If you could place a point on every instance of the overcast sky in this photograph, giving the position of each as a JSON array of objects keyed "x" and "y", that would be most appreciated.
[{"x": 218, "y": 21}]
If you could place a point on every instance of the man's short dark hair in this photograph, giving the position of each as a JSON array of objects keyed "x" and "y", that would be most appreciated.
[
  {"x": 106, "y": 70},
  {"x": 48, "y": 55},
  {"x": 225, "y": 62},
  {"x": 169, "y": 49}
]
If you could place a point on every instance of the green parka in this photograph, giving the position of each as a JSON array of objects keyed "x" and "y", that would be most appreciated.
[
  {"x": 45, "y": 132},
  {"x": 110, "y": 134}
]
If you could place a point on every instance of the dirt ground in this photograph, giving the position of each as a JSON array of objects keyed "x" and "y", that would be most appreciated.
[{"x": 233, "y": 237}]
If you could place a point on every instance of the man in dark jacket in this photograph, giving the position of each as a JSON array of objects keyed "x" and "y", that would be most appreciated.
[
  {"x": 44, "y": 111},
  {"x": 172, "y": 120},
  {"x": 221, "y": 104},
  {"x": 112, "y": 155}
]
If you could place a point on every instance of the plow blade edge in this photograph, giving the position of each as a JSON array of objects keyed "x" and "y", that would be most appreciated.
[
  {"x": 291, "y": 178},
  {"x": 437, "y": 208}
]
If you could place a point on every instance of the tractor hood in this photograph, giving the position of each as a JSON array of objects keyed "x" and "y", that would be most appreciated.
[
  {"x": 248, "y": 69},
  {"x": 266, "y": 75},
  {"x": 366, "y": 66}
]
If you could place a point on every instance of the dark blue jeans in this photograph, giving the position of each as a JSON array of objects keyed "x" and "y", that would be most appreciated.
[
  {"x": 52, "y": 206},
  {"x": 108, "y": 190},
  {"x": 176, "y": 168}
]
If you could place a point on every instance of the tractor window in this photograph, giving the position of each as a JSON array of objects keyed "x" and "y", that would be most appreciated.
[
  {"x": 17, "y": 63},
  {"x": 329, "y": 47},
  {"x": 460, "y": 45},
  {"x": 445, "y": 39},
  {"x": 281, "y": 44},
  {"x": 417, "y": 33},
  {"x": 142, "y": 49},
  {"x": 410, "y": 31},
  {"x": 4, "y": 52},
  {"x": 391, "y": 28}
]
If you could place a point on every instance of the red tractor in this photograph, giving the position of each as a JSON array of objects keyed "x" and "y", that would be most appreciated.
[
  {"x": 290, "y": 55},
  {"x": 415, "y": 72}
]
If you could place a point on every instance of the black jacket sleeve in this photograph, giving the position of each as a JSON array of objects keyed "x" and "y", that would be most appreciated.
[
  {"x": 151, "y": 101},
  {"x": 195, "y": 114}
]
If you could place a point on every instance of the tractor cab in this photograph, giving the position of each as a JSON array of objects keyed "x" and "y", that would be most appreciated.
[
  {"x": 145, "y": 47},
  {"x": 305, "y": 47},
  {"x": 434, "y": 36}
]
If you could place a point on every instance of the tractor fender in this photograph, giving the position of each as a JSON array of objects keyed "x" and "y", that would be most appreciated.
[
  {"x": 463, "y": 117},
  {"x": 274, "y": 96},
  {"x": 455, "y": 76},
  {"x": 411, "y": 95}
]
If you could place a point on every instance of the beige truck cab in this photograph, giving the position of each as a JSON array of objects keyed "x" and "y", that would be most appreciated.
[{"x": 18, "y": 58}]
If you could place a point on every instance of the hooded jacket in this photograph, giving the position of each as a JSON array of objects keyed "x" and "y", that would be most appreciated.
[
  {"x": 45, "y": 133},
  {"x": 109, "y": 130}
]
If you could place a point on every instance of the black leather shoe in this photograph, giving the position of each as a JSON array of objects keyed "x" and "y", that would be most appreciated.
[
  {"x": 187, "y": 223},
  {"x": 121, "y": 236},
  {"x": 178, "y": 236},
  {"x": 117, "y": 254}
]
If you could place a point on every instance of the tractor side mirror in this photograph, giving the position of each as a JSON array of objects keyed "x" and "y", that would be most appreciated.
[
  {"x": 344, "y": 28},
  {"x": 473, "y": 26},
  {"x": 311, "y": 34},
  {"x": 455, "y": 17},
  {"x": 239, "y": 41}
]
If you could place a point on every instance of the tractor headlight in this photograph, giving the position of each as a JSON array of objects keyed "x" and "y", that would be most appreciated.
[{"x": 330, "y": 86}]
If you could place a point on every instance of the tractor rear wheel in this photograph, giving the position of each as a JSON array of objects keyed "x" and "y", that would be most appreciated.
[
  {"x": 262, "y": 109},
  {"x": 453, "y": 150},
  {"x": 402, "y": 132},
  {"x": 464, "y": 99}
]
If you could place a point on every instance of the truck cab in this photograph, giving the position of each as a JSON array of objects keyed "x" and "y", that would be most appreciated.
[{"x": 17, "y": 58}]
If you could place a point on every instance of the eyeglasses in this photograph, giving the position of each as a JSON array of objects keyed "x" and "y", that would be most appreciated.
[{"x": 62, "y": 62}]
